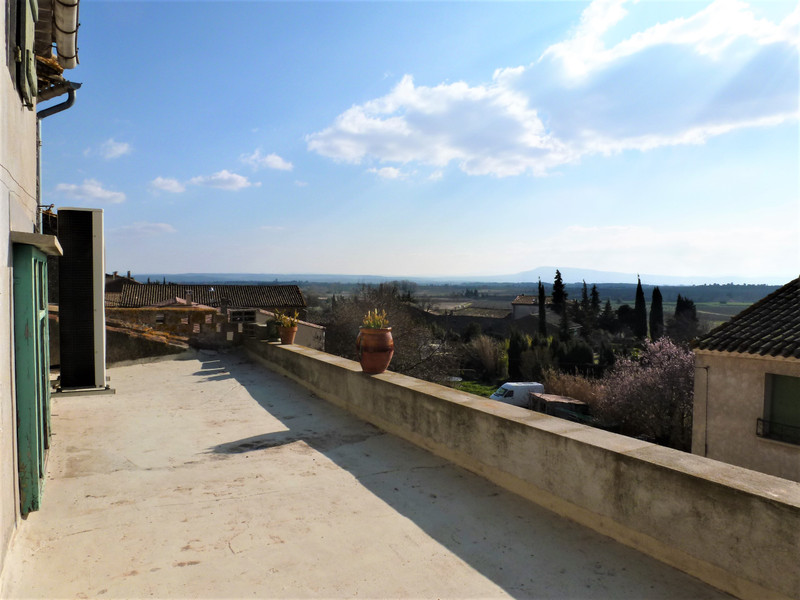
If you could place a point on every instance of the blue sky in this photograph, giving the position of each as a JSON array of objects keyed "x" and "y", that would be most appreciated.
[{"x": 436, "y": 138}]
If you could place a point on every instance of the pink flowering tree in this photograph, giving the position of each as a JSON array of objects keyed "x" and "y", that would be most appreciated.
[{"x": 651, "y": 396}]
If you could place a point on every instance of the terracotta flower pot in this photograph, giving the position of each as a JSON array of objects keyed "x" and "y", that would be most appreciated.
[
  {"x": 287, "y": 334},
  {"x": 375, "y": 349}
]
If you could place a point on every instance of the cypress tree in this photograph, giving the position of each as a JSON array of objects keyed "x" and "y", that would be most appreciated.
[
  {"x": 594, "y": 303},
  {"x": 684, "y": 325},
  {"x": 607, "y": 319},
  {"x": 542, "y": 311},
  {"x": 585, "y": 306},
  {"x": 640, "y": 313},
  {"x": 563, "y": 326},
  {"x": 656, "y": 315},
  {"x": 559, "y": 295}
]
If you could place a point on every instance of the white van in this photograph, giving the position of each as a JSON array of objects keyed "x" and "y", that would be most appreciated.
[{"x": 517, "y": 394}]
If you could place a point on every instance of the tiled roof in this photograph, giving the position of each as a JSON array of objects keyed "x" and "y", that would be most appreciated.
[
  {"x": 113, "y": 298},
  {"x": 523, "y": 299},
  {"x": 770, "y": 327},
  {"x": 238, "y": 296}
]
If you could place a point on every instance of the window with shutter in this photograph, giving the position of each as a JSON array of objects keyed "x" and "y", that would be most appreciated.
[
  {"x": 781, "y": 409},
  {"x": 25, "y": 56}
]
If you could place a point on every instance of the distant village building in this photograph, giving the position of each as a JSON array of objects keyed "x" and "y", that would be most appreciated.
[
  {"x": 113, "y": 287},
  {"x": 222, "y": 297},
  {"x": 206, "y": 312},
  {"x": 747, "y": 387},
  {"x": 523, "y": 306},
  {"x": 115, "y": 281}
]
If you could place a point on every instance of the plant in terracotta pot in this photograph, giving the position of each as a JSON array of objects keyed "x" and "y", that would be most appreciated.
[
  {"x": 374, "y": 343},
  {"x": 287, "y": 326}
]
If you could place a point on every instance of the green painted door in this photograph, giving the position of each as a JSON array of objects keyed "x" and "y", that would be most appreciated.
[{"x": 32, "y": 372}]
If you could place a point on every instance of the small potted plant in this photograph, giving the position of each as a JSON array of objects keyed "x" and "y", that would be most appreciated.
[
  {"x": 287, "y": 326},
  {"x": 374, "y": 343}
]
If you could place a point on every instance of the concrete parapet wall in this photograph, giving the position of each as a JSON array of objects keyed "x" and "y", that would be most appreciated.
[
  {"x": 308, "y": 334},
  {"x": 736, "y": 529}
]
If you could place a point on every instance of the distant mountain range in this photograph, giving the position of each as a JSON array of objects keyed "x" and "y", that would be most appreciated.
[{"x": 546, "y": 274}]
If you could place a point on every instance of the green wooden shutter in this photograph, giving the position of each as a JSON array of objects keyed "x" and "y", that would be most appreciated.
[
  {"x": 31, "y": 371},
  {"x": 28, "y": 14}
]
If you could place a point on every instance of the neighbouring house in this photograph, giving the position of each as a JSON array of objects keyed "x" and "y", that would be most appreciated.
[
  {"x": 37, "y": 53},
  {"x": 177, "y": 317},
  {"x": 523, "y": 306},
  {"x": 242, "y": 301},
  {"x": 113, "y": 287},
  {"x": 237, "y": 307},
  {"x": 747, "y": 387},
  {"x": 115, "y": 281}
]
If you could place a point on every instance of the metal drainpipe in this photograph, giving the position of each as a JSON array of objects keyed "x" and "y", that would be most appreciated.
[{"x": 43, "y": 114}]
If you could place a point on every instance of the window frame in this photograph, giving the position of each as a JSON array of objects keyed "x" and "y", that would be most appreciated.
[{"x": 769, "y": 428}]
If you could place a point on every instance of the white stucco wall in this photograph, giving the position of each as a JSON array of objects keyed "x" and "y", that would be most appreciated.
[
  {"x": 728, "y": 400},
  {"x": 18, "y": 212}
]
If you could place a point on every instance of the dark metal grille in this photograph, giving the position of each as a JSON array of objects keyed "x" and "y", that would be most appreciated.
[{"x": 778, "y": 431}]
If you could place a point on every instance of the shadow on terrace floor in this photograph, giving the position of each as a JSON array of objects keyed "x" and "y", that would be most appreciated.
[{"x": 522, "y": 548}]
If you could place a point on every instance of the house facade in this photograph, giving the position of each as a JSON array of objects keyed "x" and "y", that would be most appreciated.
[
  {"x": 747, "y": 387},
  {"x": 523, "y": 306},
  {"x": 38, "y": 52}
]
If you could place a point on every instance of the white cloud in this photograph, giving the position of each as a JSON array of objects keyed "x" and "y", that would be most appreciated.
[
  {"x": 112, "y": 149},
  {"x": 224, "y": 180},
  {"x": 388, "y": 173},
  {"x": 168, "y": 184},
  {"x": 145, "y": 229},
  {"x": 90, "y": 190},
  {"x": 487, "y": 129},
  {"x": 709, "y": 32},
  {"x": 299, "y": 183},
  {"x": 679, "y": 82},
  {"x": 270, "y": 161}
]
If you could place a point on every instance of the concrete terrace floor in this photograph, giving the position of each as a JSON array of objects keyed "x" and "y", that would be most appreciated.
[{"x": 211, "y": 477}]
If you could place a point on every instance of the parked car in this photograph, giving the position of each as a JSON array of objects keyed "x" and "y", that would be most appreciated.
[{"x": 517, "y": 393}]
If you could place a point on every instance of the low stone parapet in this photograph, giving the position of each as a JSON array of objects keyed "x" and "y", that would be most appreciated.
[{"x": 736, "y": 529}]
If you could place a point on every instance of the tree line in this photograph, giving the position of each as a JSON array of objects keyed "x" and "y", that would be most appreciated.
[{"x": 632, "y": 364}]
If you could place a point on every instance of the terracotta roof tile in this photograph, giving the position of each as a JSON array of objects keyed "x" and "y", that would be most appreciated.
[
  {"x": 238, "y": 296},
  {"x": 770, "y": 327}
]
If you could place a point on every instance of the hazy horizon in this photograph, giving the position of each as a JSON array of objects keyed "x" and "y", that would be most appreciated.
[{"x": 569, "y": 275}]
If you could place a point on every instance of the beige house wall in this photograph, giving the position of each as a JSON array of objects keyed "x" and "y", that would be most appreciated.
[
  {"x": 523, "y": 310},
  {"x": 18, "y": 212},
  {"x": 728, "y": 400}
]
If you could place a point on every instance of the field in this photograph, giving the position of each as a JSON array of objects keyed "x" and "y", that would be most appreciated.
[
  {"x": 715, "y": 304},
  {"x": 713, "y": 314}
]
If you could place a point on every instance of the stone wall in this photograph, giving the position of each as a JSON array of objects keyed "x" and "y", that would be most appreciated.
[{"x": 736, "y": 529}]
